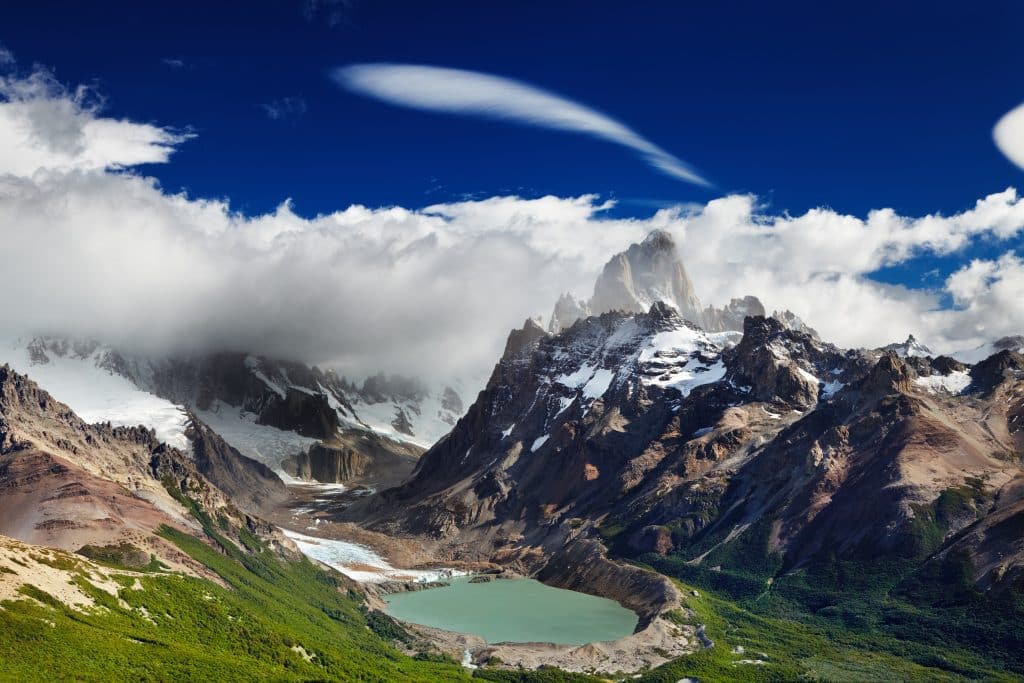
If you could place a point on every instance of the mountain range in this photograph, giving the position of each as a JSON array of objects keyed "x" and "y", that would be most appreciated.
[{"x": 726, "y": 474}]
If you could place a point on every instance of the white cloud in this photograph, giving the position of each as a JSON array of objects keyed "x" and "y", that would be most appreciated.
[
  {"x": 1009, "y": 135},
  {"x": 6, "y": 57},
  {"x": 988, "y": 294},
  {"x": 44, "y": 126},
  {"x": 819, "y": 265},
  {"x": 469, "y": 92},
  {"x": 435, "y": 290},
  {"x": 285, "y": 108}
]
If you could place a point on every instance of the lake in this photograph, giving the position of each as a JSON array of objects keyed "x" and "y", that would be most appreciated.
[{"x": 515, "y": 611}]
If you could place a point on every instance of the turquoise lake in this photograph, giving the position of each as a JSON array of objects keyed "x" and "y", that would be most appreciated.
[{"x": 515, "y": 611}]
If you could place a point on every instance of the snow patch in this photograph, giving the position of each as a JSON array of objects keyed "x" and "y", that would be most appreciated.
[
  {"x": 253, "y": 363},
  {"x": 361, "y": 563},
  {"x": 539, "y": 441},
  {"x": 953, "y": 383},
  {"x": 598, "y": 384},
  {"x": 577, "y": 379},
  {"x": 831, "y": 388}
]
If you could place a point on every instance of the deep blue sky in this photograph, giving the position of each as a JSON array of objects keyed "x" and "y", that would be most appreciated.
[{"x": 849, "y": 105}]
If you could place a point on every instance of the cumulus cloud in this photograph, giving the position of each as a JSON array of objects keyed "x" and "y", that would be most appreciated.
[
  {"x": 819, "y": 265},
  {"x": 434, "y": 290},
  {"x": 1009, "y": 135},
  {"x": 46, "y": 127},
  {"x": 469, "y": 92}
]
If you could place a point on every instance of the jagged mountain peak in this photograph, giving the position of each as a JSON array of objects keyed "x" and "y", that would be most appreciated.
[
  {"x": 650, "y": 271},
  {"x": 646, "y": 272},
  {"x": 911, "y": 348},
  {"x": 568, "y": 309}
]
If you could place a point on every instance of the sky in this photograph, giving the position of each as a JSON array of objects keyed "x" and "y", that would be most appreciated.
[{"x": 420, "y": 177}]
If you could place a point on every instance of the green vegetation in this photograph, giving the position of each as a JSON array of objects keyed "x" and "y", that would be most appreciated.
[
  {"x": 856, "y": 618},
  {"x": 122, "y": 556},
  {"x": 273, "y": 621},
  {"x": 790, "y": 648},
  {"x": 270, "y": 620}
]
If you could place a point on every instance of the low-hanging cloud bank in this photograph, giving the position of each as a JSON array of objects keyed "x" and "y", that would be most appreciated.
[
  {"x": 96, "y": 251},
  {"x": 458, "y": 91}
]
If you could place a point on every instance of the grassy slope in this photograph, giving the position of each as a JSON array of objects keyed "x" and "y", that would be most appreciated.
[
  {"x": 798, "y": 647},
  {"x": 197, "y": 630}
]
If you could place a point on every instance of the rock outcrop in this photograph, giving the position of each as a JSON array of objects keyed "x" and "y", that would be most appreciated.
[
  {"x": 649, "y": 272},
  {"x": 646, "y": 272}
]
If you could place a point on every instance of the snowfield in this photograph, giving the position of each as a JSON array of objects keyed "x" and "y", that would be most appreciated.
[{"x": 98, "y": 395}]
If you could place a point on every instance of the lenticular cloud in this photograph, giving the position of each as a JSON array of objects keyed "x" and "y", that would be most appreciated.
[
  {"x": 469, "y": 92},
  {"x": 1009, "y": 135}
]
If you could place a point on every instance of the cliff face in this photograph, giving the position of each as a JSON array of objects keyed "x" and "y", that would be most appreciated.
[
  {"x": 652, "y": 272},
  {"x": 249, "y": 483},
  {"x": 328, "y": 464},
  {"x": 351, "y": 456},
  {"x": 646, "y": 272}
]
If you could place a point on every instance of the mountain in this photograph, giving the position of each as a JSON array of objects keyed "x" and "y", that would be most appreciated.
[
  {"x": 835, "y": 513},
  {"x": 652, "y": 271},
  {"x": 646, "y": 272},
  {"x": 980, "y": 353},
  {"x": 689, "y": 439},
  {"x": 909, "y": 349},
  {"x": 121, "y": 560},
  {"x": 763, "y": 461},
  {"x": 271, "y": 410},
  {"x": 68, "y": 484}
]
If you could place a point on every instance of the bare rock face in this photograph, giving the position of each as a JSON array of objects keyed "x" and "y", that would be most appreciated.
[
  {"x": 731, "y": 317},
  {"x": 251, "y": 484},
  {"x": 791, "y": 321},
  {"x": 1004, "y": 366},
  {"x": 646, "y": 272},
  {"x": 567, "y": 311},
  {"x": 302, "y": 412},
  {"x": 650, "y": 272},
  {"x": 768, "y": 360},
  {"x": 329, "y": 464},
  {"x": 353, "y": 455}
]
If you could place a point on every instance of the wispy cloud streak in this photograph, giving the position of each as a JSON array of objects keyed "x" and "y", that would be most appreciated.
[{"x": 472, "y": 93}]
